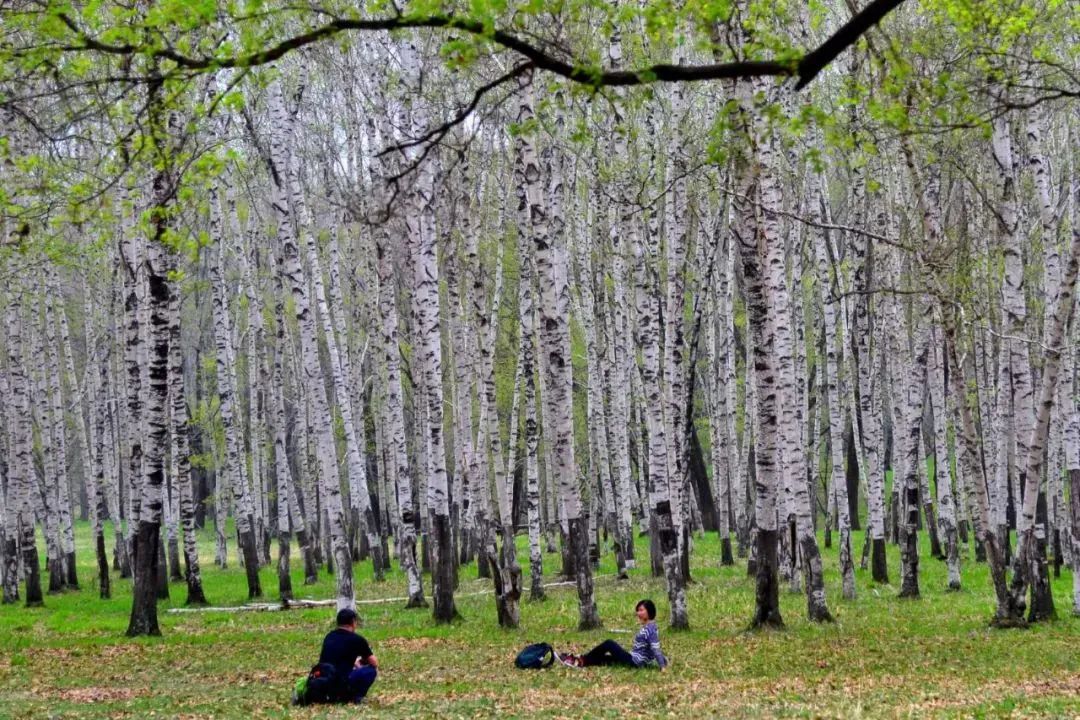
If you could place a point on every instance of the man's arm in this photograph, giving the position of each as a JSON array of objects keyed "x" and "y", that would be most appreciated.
[
  {"x": 369, "y": 660},
  {"x": 364, "y": 656}
]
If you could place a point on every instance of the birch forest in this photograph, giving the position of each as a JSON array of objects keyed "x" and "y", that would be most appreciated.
[{"x": 409, "y": 291}]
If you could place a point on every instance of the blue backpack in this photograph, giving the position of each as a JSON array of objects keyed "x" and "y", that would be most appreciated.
[{"x": 535, "y": 657}]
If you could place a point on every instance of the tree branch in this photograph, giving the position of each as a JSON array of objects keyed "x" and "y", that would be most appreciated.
[
  {"x": 824, "y": 225},
  {"x": 806, "y": 68},
  {"x": 435, "y": 135},
  {"x": 819, "y": 58}
]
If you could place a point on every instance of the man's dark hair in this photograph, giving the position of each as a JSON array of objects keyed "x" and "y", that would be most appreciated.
[
  {"x": 650, "y": 608},
  {"x": 345, "y": 616}
]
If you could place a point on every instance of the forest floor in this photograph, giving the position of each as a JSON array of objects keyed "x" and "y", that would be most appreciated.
[{"x": 883, "y": 657}]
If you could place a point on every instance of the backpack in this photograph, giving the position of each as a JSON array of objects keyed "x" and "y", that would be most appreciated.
[
  {"x": 322, "y": 685},
  {"x": 535, "y": 657}
]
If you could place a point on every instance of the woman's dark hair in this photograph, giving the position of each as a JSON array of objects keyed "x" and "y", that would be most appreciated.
[
  {"x": 345, "y": 616},
  {"x": 650, "y": 608}
]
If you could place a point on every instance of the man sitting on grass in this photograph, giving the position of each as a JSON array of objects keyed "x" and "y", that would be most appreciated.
[{"x": 350, "y": 655}]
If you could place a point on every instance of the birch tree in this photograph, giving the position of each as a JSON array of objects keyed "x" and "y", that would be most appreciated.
[
  {"x": 329, "y": 481},
  {"x": 661, "y": 500},
  {"x": 20, "y": 520},
  {"x": 45, "y": 496},
  {"x": 909, "y": 493},
  {"x": 180, "y": 447},
  {"x": 438, "y": 500},
  {"x": 395, "y": 413},
  {"x": 506, "y": 572},
  {"x": 230, "y": 471},
  {"x": 943, "y": 481},
  {"x": 91, "y": 434},
  {"x": 619, "y": 350},
  {"x": 356, "y": 469},
  {"x": 1029, "y": 570},
  {"x": 545, "y": 229},
  {"x": 145, "y": 565},
  {"x": 459, "y": 296},
  {"x": 833, "y": 382},
  {"x": 59, "y": 433},
  {"x": 527, "y": 308}
]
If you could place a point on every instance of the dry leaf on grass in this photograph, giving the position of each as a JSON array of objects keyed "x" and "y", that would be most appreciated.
[{"x": 96, "y": 694}]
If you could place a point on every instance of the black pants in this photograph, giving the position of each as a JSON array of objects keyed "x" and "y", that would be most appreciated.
[{"x": 608, "y": 652}]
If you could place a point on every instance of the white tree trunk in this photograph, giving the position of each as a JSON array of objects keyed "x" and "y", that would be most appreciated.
[
  {"x": 726, "y": 463},
  {"x": 527, "y": 309},
  {"x": 740, "y": 478},
  {"x": 911, "y": 429},
  {"x": 461, "y": 352},
  {"x": 946, "y": 504},
  {"x": 620, "y": 341},
  {"x": 255, "y": 336},
  {"x": 20, "y": 519},
  {"x": 430, "y": 352},
  {"x": 84, "y": 401},
  {"x": 395, "y": 415},
  {"x": 673, "y": 310},
  {"x": 334, "y": 337},
  {"x": 596, "y": 373},
  {"x": 790, "y": 411},
  {"x": 1030, "y": 569},
  {"x": 112, "y": 436},
  {"x": 976, "y": 484},
  {"x": 312, "y": 377},
  {"x": 617, "y": 377},
  {"x": 47, "y": 490},
  {"x": 1072, "y": 428},
  {"x": 663, "y": 500},
  {"x": 869, "y": 407},
  {"x": 834, "y": 396},
  {"x": 59, "y": 433},
  {"x": 155, "y": 389},
  {"x": 762, "y": 340},
  {"x": 134, "y": 360},
  {"x": 552, "y": 268},
  {"x": 230, "y": 470},
  {"x": 1014, "y": 303},
  {"x": 180, "y": 447}
]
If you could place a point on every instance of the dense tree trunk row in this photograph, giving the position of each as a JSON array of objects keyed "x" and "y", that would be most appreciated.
[{"x": 771, "y": 343}]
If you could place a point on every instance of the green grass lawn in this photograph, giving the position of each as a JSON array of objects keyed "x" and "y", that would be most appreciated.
[{"x": 883, "y": 657}]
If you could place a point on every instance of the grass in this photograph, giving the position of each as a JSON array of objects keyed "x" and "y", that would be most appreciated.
[{"x": 883, "y": 657}]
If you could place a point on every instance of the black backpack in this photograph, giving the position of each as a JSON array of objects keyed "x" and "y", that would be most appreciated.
[
  {"x": 324, "y": 685},
  {"x": 535, "y": 657}
]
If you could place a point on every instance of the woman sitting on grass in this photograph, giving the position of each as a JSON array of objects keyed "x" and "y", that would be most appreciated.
[{"x": 646, "y": 646}]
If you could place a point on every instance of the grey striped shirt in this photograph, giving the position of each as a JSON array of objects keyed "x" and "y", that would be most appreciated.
[{"x": 647, "y": 646}]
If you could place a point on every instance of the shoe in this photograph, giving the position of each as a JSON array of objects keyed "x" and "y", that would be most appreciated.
[{"x": 571, "y": 660}]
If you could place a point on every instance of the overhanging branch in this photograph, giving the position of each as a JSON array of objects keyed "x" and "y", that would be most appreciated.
[
  {"x": 819, "y": 58},
  {"x": 805, "y": 68}
]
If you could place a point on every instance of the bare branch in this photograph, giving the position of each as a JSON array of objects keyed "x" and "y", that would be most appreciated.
[
  {"x": 825, "y": 226},
  {"x": 805, "y": 68},
  {"x": 435, "y": 135}
]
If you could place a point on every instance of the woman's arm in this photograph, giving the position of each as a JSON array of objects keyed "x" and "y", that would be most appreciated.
[{"x": 654, "y": 645}]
